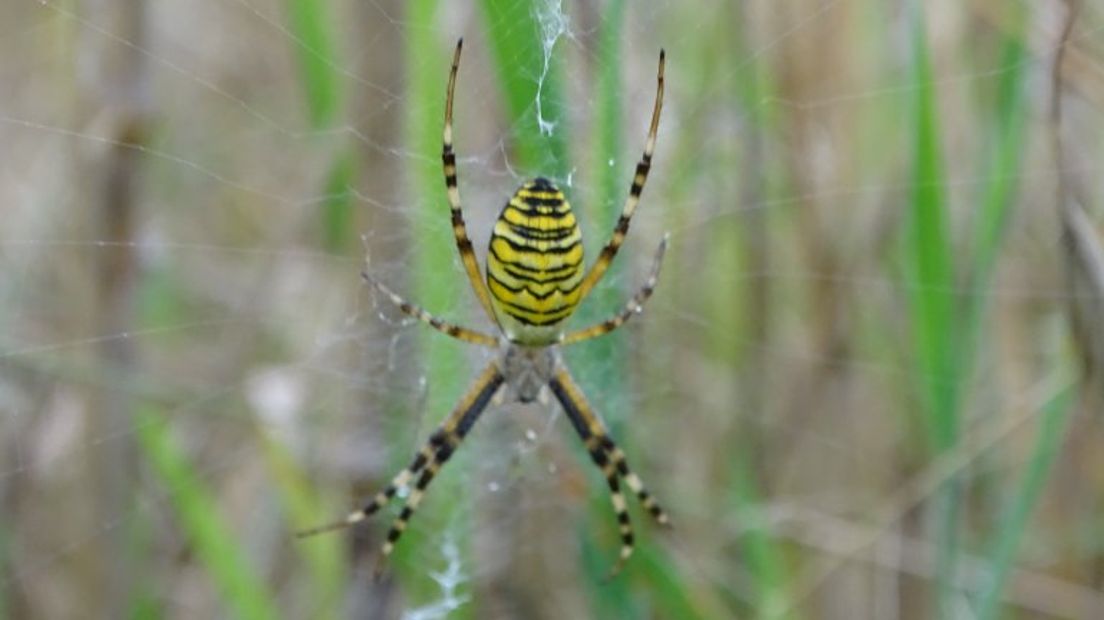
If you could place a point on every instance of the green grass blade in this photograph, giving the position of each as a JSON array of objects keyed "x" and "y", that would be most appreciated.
[
  {"x": 760, "y": 549},
  {"x": 311, "y": 27},
  {"x": 322, "y": 556},
  {"x": 1007, "y": 156},
  {"x": 337, "y": 206},
  {"x": 522, "y": 37},
  {"x": 931, "y": 277},
  {"x": 999, "y": 194},
  {"x": 427, "y": 70},
  {"x": 438, "y": 284},
  {"x": 217, "y": 548},
  {"x": 600, "y": 364},
  {"x": 609, "y": 171},
  {"x": 1010, "y": 532},
  {"x": 146, "y": 601},
  {"x": 1011, "y": 119},
  {"x": 931, "y": 285}
]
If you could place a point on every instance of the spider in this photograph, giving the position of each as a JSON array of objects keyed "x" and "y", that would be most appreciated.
[{"x": 534, "y": 281}]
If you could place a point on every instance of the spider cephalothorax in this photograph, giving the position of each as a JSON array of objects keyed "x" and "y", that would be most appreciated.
[
  {"x": 535, "y": 279},
  {"x": 528, "y": 370}
]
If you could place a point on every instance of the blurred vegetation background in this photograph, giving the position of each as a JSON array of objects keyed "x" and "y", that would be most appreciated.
[{"x": 868, "y": 385}]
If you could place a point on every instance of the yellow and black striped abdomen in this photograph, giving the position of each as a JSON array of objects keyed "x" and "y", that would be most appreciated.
[{"x": 535, "y": 263}]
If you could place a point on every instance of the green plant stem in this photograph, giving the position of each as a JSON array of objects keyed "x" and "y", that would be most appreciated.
[{"x": 217, "y": 548}]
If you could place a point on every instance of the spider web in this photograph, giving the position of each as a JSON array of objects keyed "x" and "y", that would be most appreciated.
[{"x": 234, "y": 330}]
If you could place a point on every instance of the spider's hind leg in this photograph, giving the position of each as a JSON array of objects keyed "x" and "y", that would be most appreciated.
[
  {"x": 430, "y": 459},
  {"x": 609, "y": 458},
  {"x": 379, "y": 500},
  {"x": 442, "y": 443},
  {"x": 647, "y": 500}
]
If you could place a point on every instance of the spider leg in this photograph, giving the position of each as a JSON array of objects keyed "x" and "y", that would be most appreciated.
[
  {"x": 443, "y": 443},
  {"x": 380, "y": 500},
  {"x": 624, "y": 524},
  {"x": 635, "y": 305},
  {"x": 639, "y": 178},
  {"x": 636, "y": 485},
  {"x": 459, "y": 229},
  {"x": 417, "y": 312},
  {"x": 429, "y": 460},
  {"x": 608, "y": 457}
]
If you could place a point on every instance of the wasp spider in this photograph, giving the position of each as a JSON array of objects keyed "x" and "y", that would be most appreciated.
[{"x": 535, "y": 279}]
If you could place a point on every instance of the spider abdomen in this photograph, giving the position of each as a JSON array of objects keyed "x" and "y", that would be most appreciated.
[{"x": 535, "y": 263}]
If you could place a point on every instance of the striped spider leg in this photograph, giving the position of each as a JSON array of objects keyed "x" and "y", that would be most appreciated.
[
  {"x": 459, "y": 229},
  {"x": 640, "y": 177},
  {"x": 433, "y": 455},
  {"x": 415, "y": 311},
  {"x": 634, "y": 306},
  {"x": 609, "y": 458}
]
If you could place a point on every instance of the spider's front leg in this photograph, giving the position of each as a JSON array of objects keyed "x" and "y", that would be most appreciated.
[
  {"x": 459, "y": 228},
  {"x": 605, "y": 258},
  {"x": 429, "y": 460}
]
